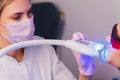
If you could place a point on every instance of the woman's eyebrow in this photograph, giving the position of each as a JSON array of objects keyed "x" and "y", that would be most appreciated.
[
  {"x": 15, "y": 14},
  {"x": 20, "y": 12}
]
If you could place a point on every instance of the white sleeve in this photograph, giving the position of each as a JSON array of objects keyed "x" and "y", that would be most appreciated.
[{"x": 60, "y": 72}]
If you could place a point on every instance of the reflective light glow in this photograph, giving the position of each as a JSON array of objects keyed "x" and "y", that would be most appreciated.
[
  {"x": 98, "y": 47},
  {"x": 106, "y": 51},
  {"x": 105, "y": 54}
]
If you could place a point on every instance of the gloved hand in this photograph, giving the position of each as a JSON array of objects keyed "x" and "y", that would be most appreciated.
[{"x": 85, "y": 63}]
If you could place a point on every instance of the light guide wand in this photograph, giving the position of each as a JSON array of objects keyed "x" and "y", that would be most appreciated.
[{"x": 81, "y": 47}]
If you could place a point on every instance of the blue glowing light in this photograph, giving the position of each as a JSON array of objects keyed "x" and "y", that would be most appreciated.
[{"x": 105, "y": 54}]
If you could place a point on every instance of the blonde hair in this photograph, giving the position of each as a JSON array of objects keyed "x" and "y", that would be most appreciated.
[{"x": 4, "y": 3}]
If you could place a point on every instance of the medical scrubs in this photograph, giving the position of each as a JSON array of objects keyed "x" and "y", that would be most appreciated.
[{"x": 39, "y": 63}]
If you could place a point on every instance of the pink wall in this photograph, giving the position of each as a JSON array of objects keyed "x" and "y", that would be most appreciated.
[{"x": 95, "y": 19}]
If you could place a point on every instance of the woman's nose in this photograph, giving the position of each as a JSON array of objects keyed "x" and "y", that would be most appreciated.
[{"x": 26, "y": 18}]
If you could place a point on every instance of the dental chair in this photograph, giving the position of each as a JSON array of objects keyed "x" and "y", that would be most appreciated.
[{"x": 46, "y": 20}]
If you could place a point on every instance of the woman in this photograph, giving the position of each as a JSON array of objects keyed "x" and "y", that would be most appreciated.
[
  {"x": 114, "y": 57},
  {"x": 31, "y": 63}
]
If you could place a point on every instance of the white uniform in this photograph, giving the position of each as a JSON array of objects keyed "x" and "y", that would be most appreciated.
[{"x": 39, "y": 63}]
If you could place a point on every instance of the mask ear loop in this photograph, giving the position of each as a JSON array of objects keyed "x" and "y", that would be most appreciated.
[
  {"x": 2, "y": 24},
  {"x": 3, "y": 35},
  {"x": 0, "y": 31}
]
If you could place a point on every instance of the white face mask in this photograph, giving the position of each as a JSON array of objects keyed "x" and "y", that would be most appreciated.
[{"x": 21, "y": 31}]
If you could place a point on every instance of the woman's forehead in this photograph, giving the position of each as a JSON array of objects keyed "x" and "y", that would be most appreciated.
[{"x": 18, "y": 5}]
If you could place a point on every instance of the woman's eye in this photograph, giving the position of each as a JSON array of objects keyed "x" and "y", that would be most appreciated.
[
  {"x": 29, "y": 13},
  {"x": 17, "y": 17}
]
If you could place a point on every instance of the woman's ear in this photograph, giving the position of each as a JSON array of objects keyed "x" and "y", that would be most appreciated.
[{"x": 108, "y": 38}]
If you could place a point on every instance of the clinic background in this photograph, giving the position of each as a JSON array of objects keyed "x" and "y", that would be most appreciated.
[{"x": 95, "y": 19}]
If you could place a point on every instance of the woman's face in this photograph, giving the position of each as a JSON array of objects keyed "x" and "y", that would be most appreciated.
[
  {"x": 16, "y": 11},
  {"x": 114, "y": 57}
]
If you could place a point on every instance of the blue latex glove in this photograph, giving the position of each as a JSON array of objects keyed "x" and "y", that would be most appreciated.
[{"x": 85, "y": 63}]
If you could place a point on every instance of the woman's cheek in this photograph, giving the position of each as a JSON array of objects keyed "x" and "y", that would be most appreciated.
[{"x": 114, "y": 58}]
